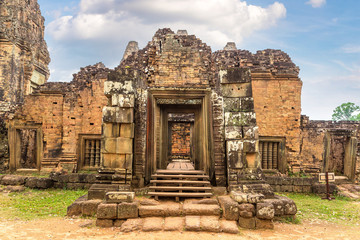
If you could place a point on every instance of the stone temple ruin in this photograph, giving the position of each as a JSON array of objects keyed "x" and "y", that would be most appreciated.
[{"x": 174, "y": 117}]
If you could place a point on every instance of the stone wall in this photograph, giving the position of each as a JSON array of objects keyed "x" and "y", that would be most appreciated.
[
  {"x": 329, "y": 140},
  {"x": 4, "y": 147},
  {"x": 24, "y": 57},
  {"x": 64, "y": 111},
  {"x": 277, "y": 103}
]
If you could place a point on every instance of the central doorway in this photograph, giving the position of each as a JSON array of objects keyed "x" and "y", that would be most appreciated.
[{"x": 179, "y": 131}]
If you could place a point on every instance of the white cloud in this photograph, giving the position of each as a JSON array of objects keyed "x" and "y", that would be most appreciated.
[
  {"x": 214, "y": 21},
  {"x": 316, "y": 3},
  {"x": 349, "y": 48}
]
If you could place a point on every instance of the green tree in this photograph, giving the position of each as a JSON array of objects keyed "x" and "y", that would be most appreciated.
[{"x": 346, "y": 111}]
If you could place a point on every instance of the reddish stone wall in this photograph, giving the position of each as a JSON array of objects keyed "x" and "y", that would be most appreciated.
[
  {"x": 277, "y": 102},
  {"x": 64, "y": 111},
  {"x": 180, "y": 140}
]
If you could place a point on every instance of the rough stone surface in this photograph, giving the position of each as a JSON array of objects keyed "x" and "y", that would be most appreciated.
[
  {"x": 89, "y": 208},
  {"x": 246, "y": 197},
  {"x": 265, "y": 211},
  {"x": 15, "y": 188},
  {"x": 229, "y": 226},
  {"x": 246, "y": 210},
  {"x": 153, "y": 224},
  {"x": 75, "y": 209},
  {"x": 161, "y": 210},
  {"x": 206, "y": 201},
  {"x": 209, "y": 224},
  {"x": 31, "y": 182},
  {"x": 127, "y": 210},
  {"x": 264, "y": 224},
  {"x": 118, "y": 197},
  {"x": 44, "y": 183},
  {"x": 107, "y": 211},
  {"x": 192, "y": 223},
  {"x": 199, "y": 209},
  {"x": 133, "y": 224},
  {"x": 248, "y": 223},
  {"x": 174, "y": 224},
  {"x": 13, "y": 180},
  {"x": 105, "y": 223},
  {"x": 278, "y": 206},
  {"x": 230, "y": 210}
]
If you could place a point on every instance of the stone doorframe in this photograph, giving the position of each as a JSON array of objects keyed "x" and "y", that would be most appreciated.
[
  {"x": 15, "y": 143},
  {"x": 162, "y": 101},
  {"x": 350, "y": 151}
]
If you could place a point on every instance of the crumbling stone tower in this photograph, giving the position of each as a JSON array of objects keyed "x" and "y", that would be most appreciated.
[{"x": 178, "y": 74}]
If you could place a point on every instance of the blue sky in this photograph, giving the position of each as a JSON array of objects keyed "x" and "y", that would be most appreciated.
[{"x": 321, "y": 36}]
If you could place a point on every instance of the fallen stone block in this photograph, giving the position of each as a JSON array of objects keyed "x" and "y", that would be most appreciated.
[
  {"x": 153, "y": 224},
  {"x": 119, "y": 197},
  {"x": 11, "y": 188},
  {"x": 127, "y": 210},
  {"x": 241, "y": 197},
  {"x": 230, "y": 210},
  {"x": 31, "y": 182},
  {"x": 44, "y": 183},
  {"x": 74, "y": 209},
  {"x": 289, "y": 205},
  {"x": 265, "y": 211},
  {"x": 107, "y": 211},
  {"x": 13, "y": 180}
]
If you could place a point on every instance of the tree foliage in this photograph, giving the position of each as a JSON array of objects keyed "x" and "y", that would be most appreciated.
[{"x": 347, "y": 111}]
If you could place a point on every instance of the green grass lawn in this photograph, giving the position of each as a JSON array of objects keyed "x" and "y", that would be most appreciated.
[
  {"x": 340, "y": 210},
  {"x": 35, "y": 204}
]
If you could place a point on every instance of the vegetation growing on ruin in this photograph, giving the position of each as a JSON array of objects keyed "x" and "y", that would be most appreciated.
[
  {"x": 341, "y": 210},
  {"x": 35, "y": 204}
]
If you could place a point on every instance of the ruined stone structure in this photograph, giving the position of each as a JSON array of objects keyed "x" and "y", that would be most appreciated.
[
  {"x": 230, "y": 114},
  {"x": 24, "y": 59}
]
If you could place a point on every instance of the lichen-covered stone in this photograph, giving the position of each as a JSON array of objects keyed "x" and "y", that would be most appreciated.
[
  {"x": 265, "y": 211},
  {"x": 229, "y": 208},
  {"x": 241, "y": 197},
  {"x": 246, "y": 210},
  {"x": 118, "y": 197}
]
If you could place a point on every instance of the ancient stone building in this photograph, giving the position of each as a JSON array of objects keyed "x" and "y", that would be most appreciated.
[
  {"x": 230, "y": 114},
  {"x": 24, "y": 59}
]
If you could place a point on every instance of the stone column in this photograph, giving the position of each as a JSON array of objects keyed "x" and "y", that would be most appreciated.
[
  {"x": 118, "y": 127},
  {"x": 241, "y": 132}
]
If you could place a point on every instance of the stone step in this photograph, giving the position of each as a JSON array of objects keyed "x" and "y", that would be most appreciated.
[
  {"x": 180, "y": 182},
  {"x": 179, "y": 194},
  {"x": 174, "y": 188},
  {"x": 179, "y": 176},
  {"x": 187, "y": 172}
]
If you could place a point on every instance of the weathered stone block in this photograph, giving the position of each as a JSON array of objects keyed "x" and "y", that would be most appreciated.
[
  {"x": 235, "y": 75},
  {"x": 118, "y": 197},
  {"x": 174, "y": 224},
  {"x": 199, "y": 209},
  {"x": 192, "y": 223},
  {"x": 118, "y": 115},
  {"x": 163, "y": 210},
  {"x": 105, "y": 223},
  {"x": 265, "y": 211},
  {"x": 240, "y": 119},
  {"x": 250, "y": 132},
  {"x": 229, "y": 208},
  {"x": 123, "y": 100},
  {"x": 153, "y": 224},
  {"x": 233, "y": 132},
  {"x": 44, "y": 183},
  {"x": 118, "y": 223},
  {"x": 236, "y": 90},
  {"x": 118, "y": 145},
  {"x": 246, "y": 197},
  {"x": 209, "y": 223},
  {"x": 278, "y": 206},
  {"x": 244, "y": 104},
  {"x": 229, "y": 226},
  {"x": 264, "y": 224},
  {"x": 128, "y": 210},
  {"x": 248, "y": 223},
  {"x": 13, "y": 180},
  {"x": 289, "y": 205},
  {"x": 246, "y": 210},
  {"x": 31, "y": 182},
  {"x": 127, "y": 130},
  {"x": 89, "y": 207},
  {"x": 130, "y": 225},
  {"x": 107, "y": 211},
  {"x": 75, "y": 209},
  {"x": 123, "y": 87}
]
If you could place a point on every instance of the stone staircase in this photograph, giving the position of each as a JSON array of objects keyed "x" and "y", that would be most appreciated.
[{"x": 180, "y": 183}]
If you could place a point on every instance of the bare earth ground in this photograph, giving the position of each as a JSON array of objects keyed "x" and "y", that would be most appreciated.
[{"x": 67, "y": 228}]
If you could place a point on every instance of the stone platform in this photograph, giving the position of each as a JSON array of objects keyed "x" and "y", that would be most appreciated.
[{"x": 217, "y": 214}]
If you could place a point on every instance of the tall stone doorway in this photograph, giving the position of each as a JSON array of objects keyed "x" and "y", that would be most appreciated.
[{"x": 179, "y": 129}]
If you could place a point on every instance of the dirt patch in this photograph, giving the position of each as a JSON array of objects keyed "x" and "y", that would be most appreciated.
[{"x": 66, "y": 228}]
